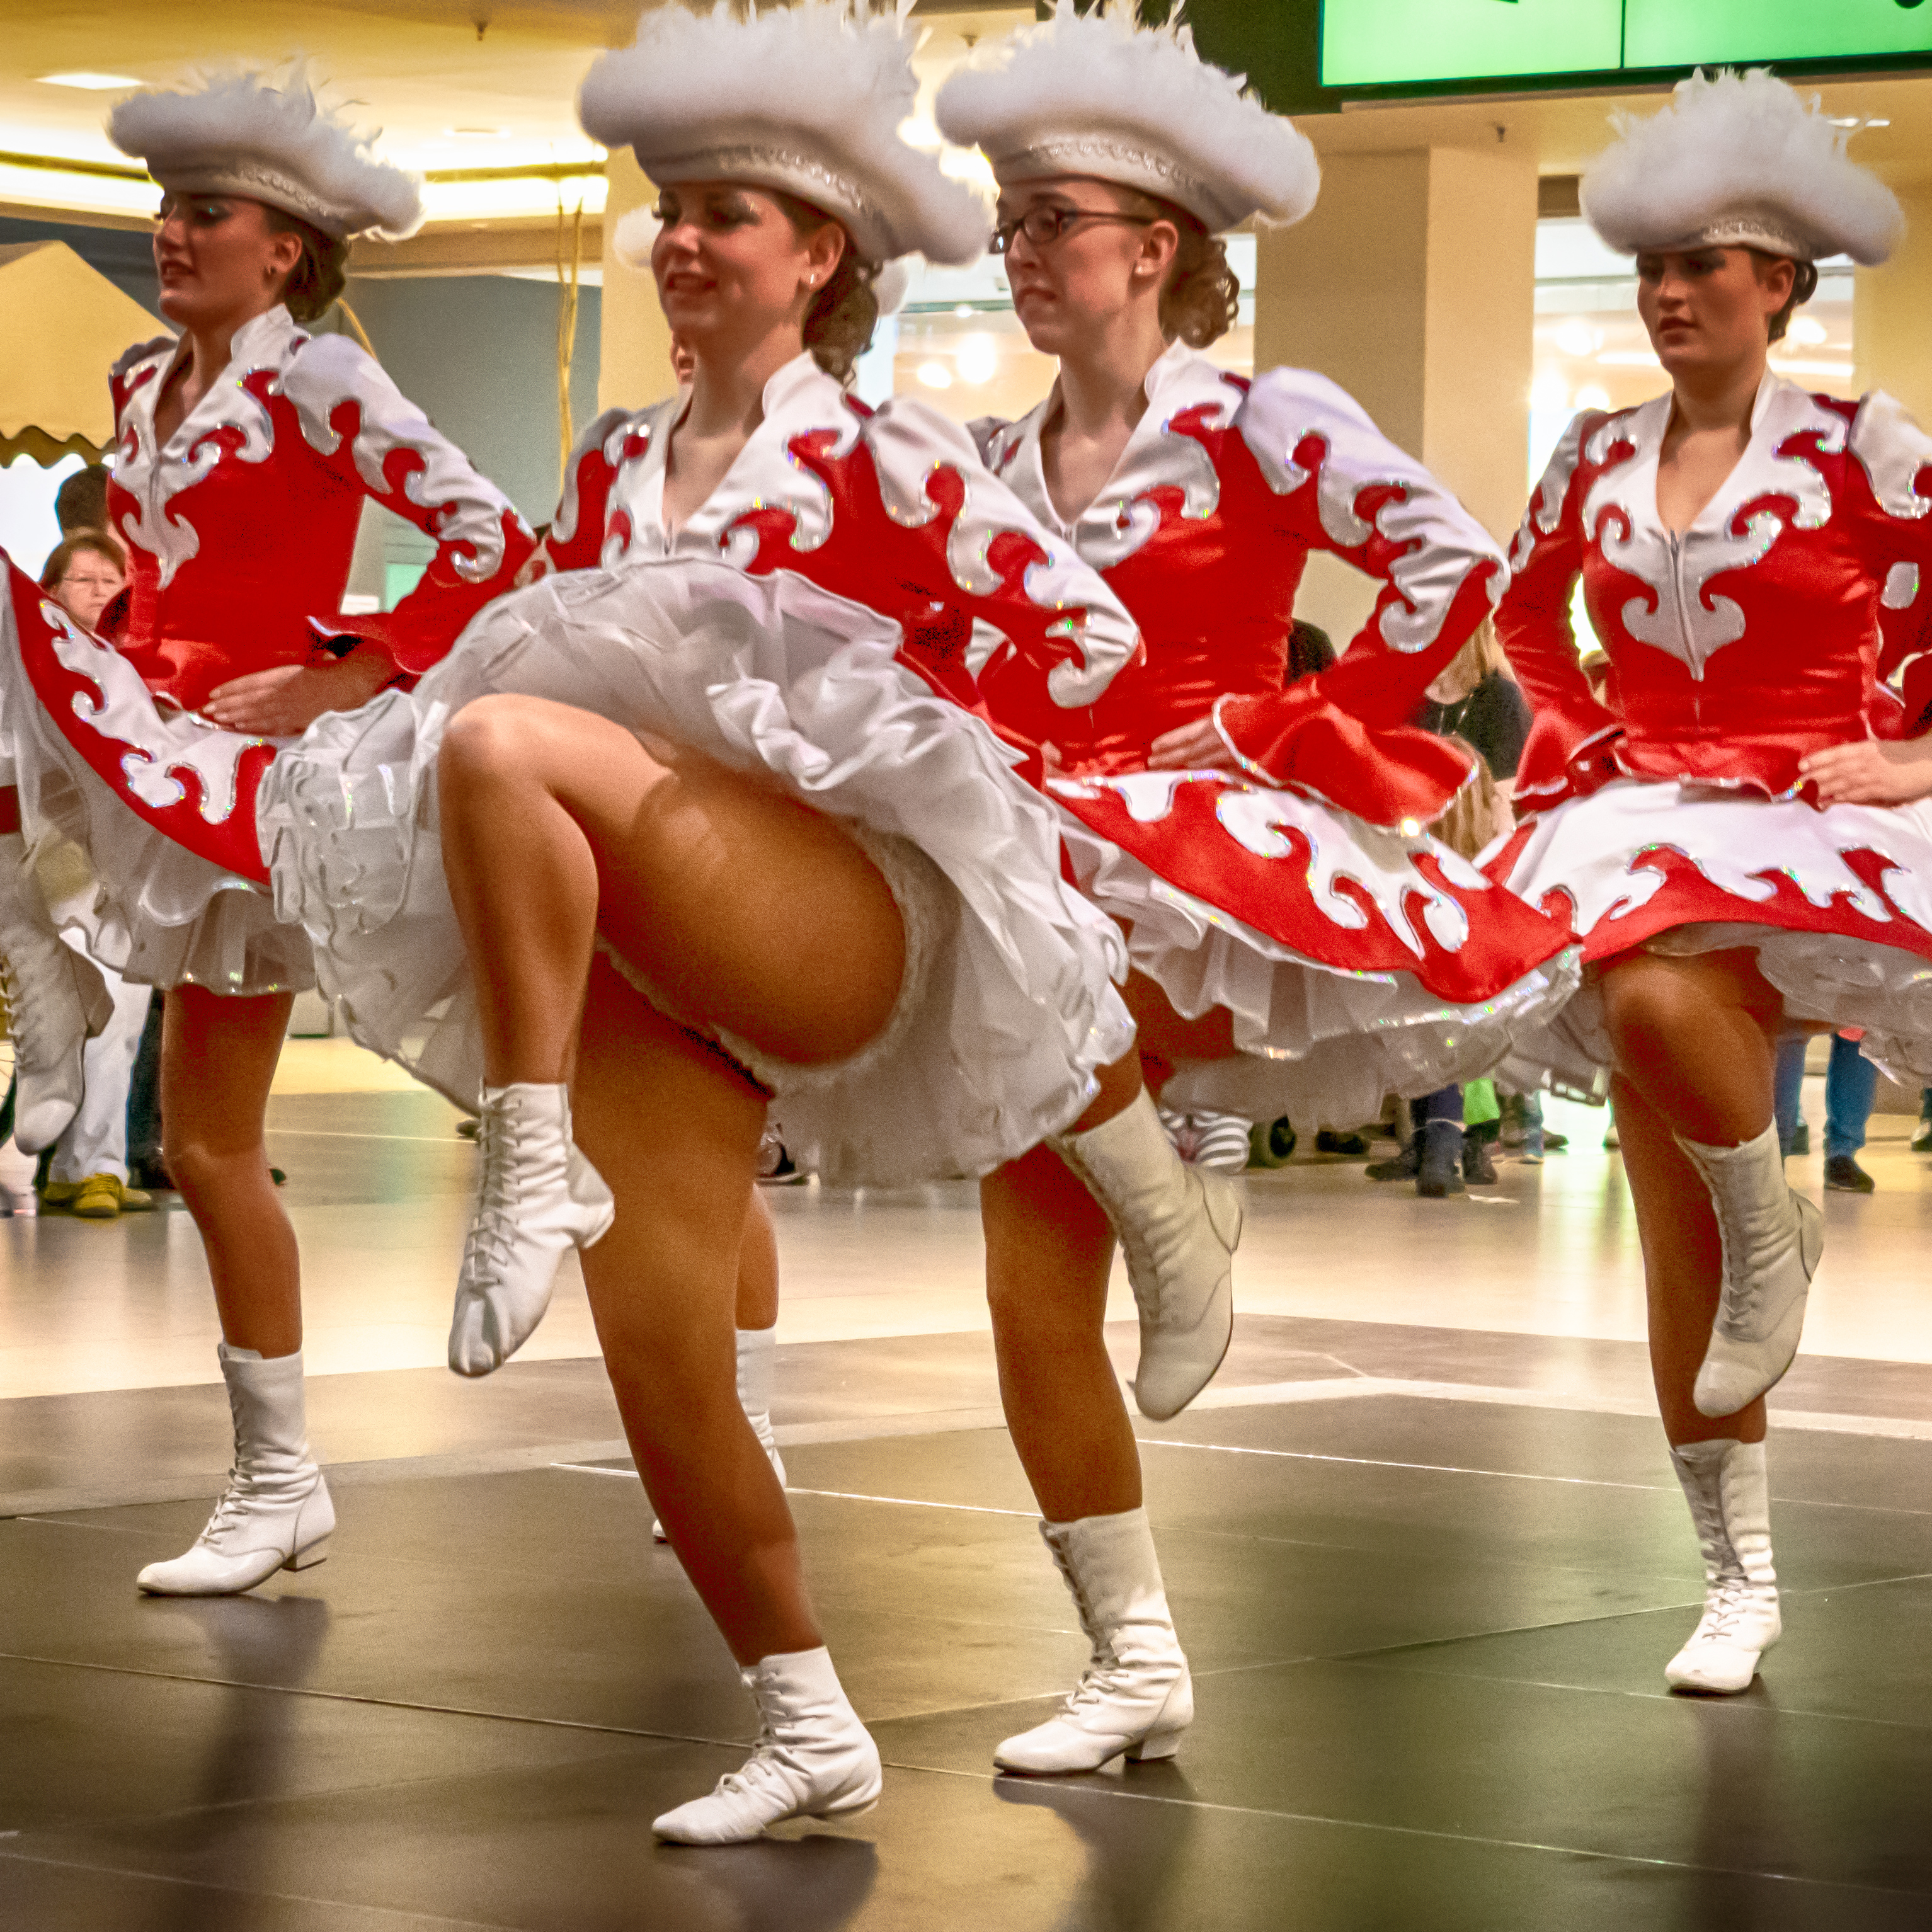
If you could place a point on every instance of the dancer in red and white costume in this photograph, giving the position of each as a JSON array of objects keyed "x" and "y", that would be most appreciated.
[
  {"x": 1741, "y": 843},
  {"x": 1296, "y": 948},
  {"x": 246, "y": 451}
]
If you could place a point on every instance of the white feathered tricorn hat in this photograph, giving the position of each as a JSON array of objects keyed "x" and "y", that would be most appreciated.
[
  {"x": 236, "y": 133},
  {"x": 1739, "y": 159},
  {"x": 809, "y": 98},
  {"x": 1100, "y": 94}
]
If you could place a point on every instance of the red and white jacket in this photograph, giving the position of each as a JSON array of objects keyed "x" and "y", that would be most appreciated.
[
  {"x": 1781, "y": 621},
  {"x": 239, "y": 531},
  {"x": 891, "y": 508},
  {"x": 1203, "y": 530}
]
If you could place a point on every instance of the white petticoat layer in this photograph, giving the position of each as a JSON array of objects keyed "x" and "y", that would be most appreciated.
[
  {"x": 1321, "y": 1043},
  {"x": 154, "y": 911},
  {"x": 768, "y": 675},
  {"x": 1837, "y": 904}
]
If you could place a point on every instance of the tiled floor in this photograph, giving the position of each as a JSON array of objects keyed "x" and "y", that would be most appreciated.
[{"x": 1422, "y": 1541}]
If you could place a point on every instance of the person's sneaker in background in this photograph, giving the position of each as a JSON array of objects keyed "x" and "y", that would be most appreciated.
[{"x": 1843, "y": 1175}]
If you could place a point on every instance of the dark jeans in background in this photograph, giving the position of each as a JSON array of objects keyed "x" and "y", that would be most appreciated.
[{"x": 1851, "y": 1084}]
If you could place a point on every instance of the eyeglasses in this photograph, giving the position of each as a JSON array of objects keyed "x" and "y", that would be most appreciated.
[{"x": 1043, "y": 226}]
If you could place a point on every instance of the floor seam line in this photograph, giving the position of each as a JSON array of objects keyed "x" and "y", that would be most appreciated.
[
  {"x": 374, "y": 1702},
  {"x": 238, "y": 1892}
]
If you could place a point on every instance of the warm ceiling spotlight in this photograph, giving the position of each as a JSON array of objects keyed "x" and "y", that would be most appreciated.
[{"x": 95, "y": 83}]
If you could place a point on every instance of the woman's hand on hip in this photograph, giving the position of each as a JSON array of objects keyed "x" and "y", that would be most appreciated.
[
  {"x": 1197, "y": 747},
  {"x": 1872, "y": 771},
  {"x": 285, "y": 701}
]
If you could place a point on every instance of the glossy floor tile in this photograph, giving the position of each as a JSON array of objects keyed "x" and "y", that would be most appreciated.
[{"x": 1422, "y": 1541}]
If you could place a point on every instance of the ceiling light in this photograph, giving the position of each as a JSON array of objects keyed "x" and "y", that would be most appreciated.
[
  {"x": 1591, "y": 396},
  {"x": 1577, "y": 338},
  {"x": 476, "y": 133},
  {"x": 935, "y": 375},
  {"x": 962, "y": 309},
  {"x": 97, "y": 83},
  {"x": 1807, "y": 329}
]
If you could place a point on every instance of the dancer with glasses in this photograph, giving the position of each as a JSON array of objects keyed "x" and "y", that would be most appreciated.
[
  {"x": 1298, "y": 947},
  {"x": 1743, "y": 842}
]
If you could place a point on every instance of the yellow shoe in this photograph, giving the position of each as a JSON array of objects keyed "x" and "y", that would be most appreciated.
[
  {"x": 98, "y": 1198},
  {"x": 59, "y": 1195}
]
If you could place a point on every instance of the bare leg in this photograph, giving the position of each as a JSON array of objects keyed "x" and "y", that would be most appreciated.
[
  {"x": 218, "y": 1057},
  {"x": 758, "y": 1267},
  {"x": 712, "y": 886},
  {"x": 662, "y": 1284},
  {"x": 1697, "y": 1038},
  {"x": 1695, "y": 1041},
  {"x": 1049, "y": 1249}
]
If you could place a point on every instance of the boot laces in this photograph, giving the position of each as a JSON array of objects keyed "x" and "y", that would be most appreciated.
[
  {"x": 762, "y": 1772},
  {"x": 492, "y": 1229},
  {"x": 238, "y": 1501},
  {"x": 1726, "y": 1610},
  {"x": 1743, "y": 1288},
  {"x": 26, "y": 1019}
]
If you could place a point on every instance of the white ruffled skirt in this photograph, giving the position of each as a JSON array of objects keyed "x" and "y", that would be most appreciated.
[
  {"x": 1354, "y": 962},
  {"x": 1837, "y": 903},
  {"x": 1008, "y": 1007}
]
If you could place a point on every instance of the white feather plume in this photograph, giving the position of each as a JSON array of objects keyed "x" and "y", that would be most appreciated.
[
  {"x": 634, "y": 236},
  {"x": 239, "y": 131},
  {"x": 1103, "y": 86},
  {"x": 1733, "y": 156},
  {"x": 809, "y": 97}
]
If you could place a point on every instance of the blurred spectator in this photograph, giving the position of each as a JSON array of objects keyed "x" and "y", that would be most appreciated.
[
  {"x": 87, "y": 1170},
  {"x": 80, "y": 503},
  {"x": 1851, "y": 1084},
  {"x": 86, "y": 572}
]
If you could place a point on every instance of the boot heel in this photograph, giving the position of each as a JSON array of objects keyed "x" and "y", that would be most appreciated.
[
  {"x": 308, "y": 1558},
  {"x": 1155, "y": 1747}
]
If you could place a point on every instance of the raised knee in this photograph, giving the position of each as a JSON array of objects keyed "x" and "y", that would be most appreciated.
[
  {"x": 489, "y": 735},
  {"x": 1641, "y": 1004}
]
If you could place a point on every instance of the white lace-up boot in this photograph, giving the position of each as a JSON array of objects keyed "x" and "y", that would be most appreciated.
[
  {"x": 1725, "y": 1484},
  {"x": 1772, "y": 1238},
  {"x": 1178, "y": 1228},
  {"x": 1135, "y": 1696},
  {"x": 55, "y": 997},
  {"x": 757, "y": 1353},
  {"x": 536, "y": 1196},
  {"x": 275, "y": 1514},
  {"x": 814, "y": 1758}
]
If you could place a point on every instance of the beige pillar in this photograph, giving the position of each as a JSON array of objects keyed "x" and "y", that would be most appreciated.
[
  {"x": 633, "y": 368},
  {"x": 1892, "y": 336},
  {"x": 1413, "y": 285}
]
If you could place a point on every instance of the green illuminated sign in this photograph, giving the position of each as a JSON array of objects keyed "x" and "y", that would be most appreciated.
[{"x": 1386, "y": 43}]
